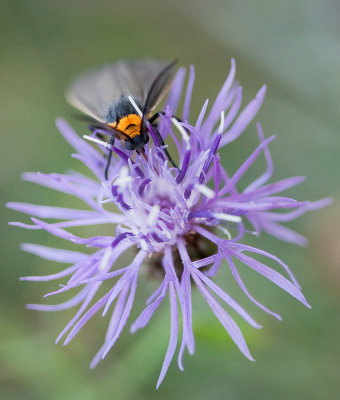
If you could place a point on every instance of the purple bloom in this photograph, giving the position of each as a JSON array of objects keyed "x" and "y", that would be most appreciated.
[{"x": 182, "y": 225}]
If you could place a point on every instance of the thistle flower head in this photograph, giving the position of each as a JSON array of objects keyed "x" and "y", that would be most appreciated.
[{"x": 181, "y": 224}]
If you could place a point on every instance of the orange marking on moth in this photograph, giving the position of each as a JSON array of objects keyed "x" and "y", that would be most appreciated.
[{"x": 130, "y": 125}]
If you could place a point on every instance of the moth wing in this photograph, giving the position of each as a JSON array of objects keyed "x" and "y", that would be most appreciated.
[
  {"x": 94, "y": 92},
  {"x": 158, "y": 88}
]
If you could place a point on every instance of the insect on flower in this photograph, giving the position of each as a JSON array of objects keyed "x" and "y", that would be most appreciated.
[
  {"x": 181, "y": 225},
  {"x": 111, "y": 95}
]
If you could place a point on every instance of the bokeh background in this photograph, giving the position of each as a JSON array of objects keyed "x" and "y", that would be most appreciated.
[{"x": 291, "y": 45}]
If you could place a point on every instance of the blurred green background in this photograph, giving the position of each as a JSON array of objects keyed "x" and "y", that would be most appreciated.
[{"x": 294, "y": 47}]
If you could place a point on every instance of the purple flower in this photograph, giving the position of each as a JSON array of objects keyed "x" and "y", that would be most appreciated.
[{"x": 181, "y": 225}]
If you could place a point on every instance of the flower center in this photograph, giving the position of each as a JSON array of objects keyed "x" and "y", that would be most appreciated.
[{"x": 198, "y": 248}]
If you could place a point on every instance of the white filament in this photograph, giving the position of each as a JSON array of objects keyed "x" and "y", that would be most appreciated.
[
  {"x": 220, "y": 129},
  {"x": 139, "y": 112},
  {"x": 105, "y": 259},
  {"x": 205, "y": 190},
  {"x": 227, "y": 217},
  {"x": 182, "y": 132},
  {"x": 123, "y": 178},
  {"x": 98, "y": 141},
  {"x": 152, "y": 217},
  {"x": 225, "y": 231}
]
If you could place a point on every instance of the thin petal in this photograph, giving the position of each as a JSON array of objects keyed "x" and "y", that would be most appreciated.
[
  {"x": 113, "y": 325},
  {"x": 273, "y": 276},
  {"x": 50, "y": 212},
  {"x": 62, "y": 306},
  {"x": 245, "y": 166},
  {"x": 244, "y": 118},
  {"x": 217, "y": 107},
  {"x": 270, "y": 166},
  {"x": 176, "y": 90},
  {"x": 246, "y": 292},
  {"x": 228, "y": 323},
  {"x": 187, "y": 100},
  {"x": 89, "y": 314},
  {"x": 283, "y": 233},
  {"x": 225, "y": 319},
  {"x": 228, "y": 299},
  {"x": 49, "y": 253},
  {"x": 125, "y": 316},
  {"x": 51, "y": 277},
  {"x": 271, "y": 256},
  {"x": 148, "y": 312},
  {"x": 173, "y": 334}
]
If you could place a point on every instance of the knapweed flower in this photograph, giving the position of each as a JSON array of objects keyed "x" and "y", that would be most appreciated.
[{"x": 182, "y": 225}]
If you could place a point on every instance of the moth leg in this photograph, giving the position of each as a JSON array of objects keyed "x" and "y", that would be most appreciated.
[
  {"x": 109, "y": 156},
  {"x": 152, "y": 121},
  {"x": 165, "y": 150},
  {"x": 158, "y": 114},
  {"x": 155, "y": 117},
  {"x": 95, "y": 131}
]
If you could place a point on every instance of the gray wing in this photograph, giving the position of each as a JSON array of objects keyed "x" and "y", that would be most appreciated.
[{"x": 94, "y": 92}]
